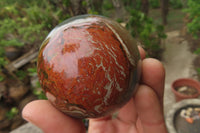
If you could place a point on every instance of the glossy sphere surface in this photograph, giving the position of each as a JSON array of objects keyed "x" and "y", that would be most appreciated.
[{"x": 88, "y": 66}]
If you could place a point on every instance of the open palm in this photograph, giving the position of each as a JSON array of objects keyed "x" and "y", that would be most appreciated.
[{"x": 142, "y": 114}]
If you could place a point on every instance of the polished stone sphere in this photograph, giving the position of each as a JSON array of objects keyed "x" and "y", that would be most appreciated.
[{"x": 89, "y": 66}]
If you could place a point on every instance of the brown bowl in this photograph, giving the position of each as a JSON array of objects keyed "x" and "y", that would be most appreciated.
[{"x": 185, "y": 82}]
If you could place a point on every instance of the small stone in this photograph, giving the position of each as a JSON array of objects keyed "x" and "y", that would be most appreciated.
[
  {"x": 193, "y": 113},
  {"x": 17, "y": 92},
  {"x": 195, "y": 117},
  {"x": 182, "y": 89},
  {"x": 4, "y": 124},
  {"x": 197, "y": 109},
  {"x": 12, "y": 52},
  {"x": 17, "y": 121},
  {"x": 188, "y": 113},
  {"x": 187, "y": 90},
  {"x": 190, "y": 109},
  {"x": 183, "y": 113}
]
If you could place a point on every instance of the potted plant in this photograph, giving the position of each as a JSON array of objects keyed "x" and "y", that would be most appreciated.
[{"x": 185, "y": 88}]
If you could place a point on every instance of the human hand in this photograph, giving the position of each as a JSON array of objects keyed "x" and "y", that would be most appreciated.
[{"x": 142, "y": 114}]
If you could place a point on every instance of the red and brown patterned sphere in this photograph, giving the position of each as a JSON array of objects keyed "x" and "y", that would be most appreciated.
[{"x": 89, "y": 66}]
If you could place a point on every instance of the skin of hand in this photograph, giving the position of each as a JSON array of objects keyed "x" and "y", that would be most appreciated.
[{"x": 142, "y": 114}]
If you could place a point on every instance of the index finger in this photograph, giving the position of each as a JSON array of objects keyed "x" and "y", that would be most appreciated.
[{"x": 153, "y": 75}]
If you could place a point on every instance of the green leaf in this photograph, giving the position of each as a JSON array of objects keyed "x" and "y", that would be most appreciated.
[
  {"x": 198, "y": 70},
  {"x": 21, "y": 74},
  {"x": 3, "y": 62},
  {"x": 197, "y": 51},
  {"x": 32, "y": 71},
  {"x": 12, "y": 113},
  {"x": 1, "y": 78}
]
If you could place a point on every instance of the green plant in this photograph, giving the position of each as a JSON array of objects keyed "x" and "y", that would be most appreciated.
[
  {"x": 28, "y": 22},
  {"x": 1, "y": 78},
  {"x": 93, "y": 12},
  {"x": 194, "y": 22},
  {"x": 143, "y": 28},
  {"x": 154, "y": 3},
  {"x": 3, "y": 62},
  {"x": 198, "y": 71},
  {"x": 107, "y": 5},
  {"x": 21, "y": 74},
  {"x": 32, "y": 71},
  {"x": 132, "y": 4},
  {"x": 37, "y": 91},
  {"x": 12, "y": 113},
  {"x": 197, "y": 51},
  {"x": 194, "y": 15},
  {"x": 40, "y": 94},
  {"x": 119, "y": 20},
  {"x": 176, "y": 4},
  {"x": 25, "y": 24}
]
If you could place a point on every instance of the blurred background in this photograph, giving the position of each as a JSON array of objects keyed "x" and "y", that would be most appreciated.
[{"x": 25, "y": 24}]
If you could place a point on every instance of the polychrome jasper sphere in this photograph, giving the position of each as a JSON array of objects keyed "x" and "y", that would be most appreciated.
[{"x": 89, "y": 66}]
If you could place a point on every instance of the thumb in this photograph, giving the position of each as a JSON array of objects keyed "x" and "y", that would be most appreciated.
[{"x": 42, "y": 114}]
